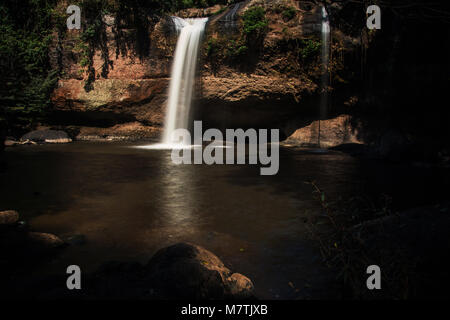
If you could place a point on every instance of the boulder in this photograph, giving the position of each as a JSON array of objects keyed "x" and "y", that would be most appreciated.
[
  {"x": 240, "y": 286},
  {"x": 9, "y": 217},
  {"x": 187, "y": 271},
  {"x": 47, "y": 136},
  {"x": 330, "y": 132}
]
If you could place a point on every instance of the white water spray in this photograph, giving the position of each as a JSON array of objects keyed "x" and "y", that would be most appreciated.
[{"x": 183, "y": 75}]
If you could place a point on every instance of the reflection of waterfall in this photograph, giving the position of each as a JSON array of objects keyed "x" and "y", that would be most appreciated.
[
  {"x": 183, "y": 74},
  {"x": 325, "y": 65},
  {"x": 178, "y": 198}
]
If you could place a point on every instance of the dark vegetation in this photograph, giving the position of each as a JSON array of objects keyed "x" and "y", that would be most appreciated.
[
  {"x": 25, "y": 75},
  {"x": 410, "y": 247},
  {"x": 401, "y": 74},
  {"x": 244, "y": 48},
  {"x": 28, "y": 27}
]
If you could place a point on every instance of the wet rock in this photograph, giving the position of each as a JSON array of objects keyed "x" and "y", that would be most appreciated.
[
  {"x": 126, "y": 131},
  {"x": 47, "y": 136},
  {"x": 9, "y": 217},
  {"x": 187, "y": 271},
  {"x": 11, "y": 142},
  {"x": 240, "y": 286},
  {"x": 330, "y": 133}
]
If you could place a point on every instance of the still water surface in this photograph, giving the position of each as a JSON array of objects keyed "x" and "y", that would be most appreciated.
[{"x": 130, "y": 202}]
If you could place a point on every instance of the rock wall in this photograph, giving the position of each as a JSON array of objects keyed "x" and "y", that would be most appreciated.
[
  {"x": 325, "y": 133},
  {"x": 126, "y": 101},
  {"x": 274, "y": 85}
]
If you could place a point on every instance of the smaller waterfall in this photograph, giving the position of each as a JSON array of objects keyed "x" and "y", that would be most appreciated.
[
  {"x": 183, "y": 74},
  {"x": 325, "y": 64},
  {"x": 230, "y": 18}
]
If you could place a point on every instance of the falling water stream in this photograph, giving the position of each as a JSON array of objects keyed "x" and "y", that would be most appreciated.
[
  {"x": 183, "y": 75},
  {"x": 325, "y": 63}
]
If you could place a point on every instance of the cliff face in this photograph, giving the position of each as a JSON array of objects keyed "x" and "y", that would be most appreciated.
[
  {"x": 265, "y": 78},
  {"x": 131, "y": 92},
  {"x": 274, "y": 78}
]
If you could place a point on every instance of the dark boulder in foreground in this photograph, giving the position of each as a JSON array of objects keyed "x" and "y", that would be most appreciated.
[
  {"x": 47, "y": 136},
  {"x": 181, "y": 271},
  {"x": 187, "y": 271},
  {"x": 17, "y": 243}
]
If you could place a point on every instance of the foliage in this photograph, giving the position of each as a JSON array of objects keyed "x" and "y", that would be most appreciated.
[
  {"x": 25, "y": 75},
  {"x": 289, "y": 13},
  {"x": 309, "y": 48},
  {"x": 236, "y": 50},
  {"x": 344, "y": 245},
  {"x": 255, "y": 22},
  {"x": 240, "y": 49},
  {"x": 27, "y": 28},
  {"x": 212, "y": 47}
]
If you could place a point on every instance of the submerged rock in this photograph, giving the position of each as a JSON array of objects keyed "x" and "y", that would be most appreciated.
[
  {"x": 47, "y": 136},
  {"x": 76, "y": 239},
  {"x": 44, "y": 240},
  {"x": 187, "y": 271}
]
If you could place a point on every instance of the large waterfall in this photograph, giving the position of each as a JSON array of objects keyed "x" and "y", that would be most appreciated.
[{"x": 183, "y": 75}]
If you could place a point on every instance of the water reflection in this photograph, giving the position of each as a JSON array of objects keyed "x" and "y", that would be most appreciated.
[
  {"x": 130, "y": 202},
  {"x": 178, "y": 198}
]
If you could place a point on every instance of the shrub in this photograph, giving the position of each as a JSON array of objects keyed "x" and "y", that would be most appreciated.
[
  {"x": 236, "y": 49},
  {"x": 25, "y": 75},
  {"x": 213, "y": 47},
  {"x": 255, "y": 21},
  {"x": 309, "y": 48},
  {"x": 289, "y": 13}
]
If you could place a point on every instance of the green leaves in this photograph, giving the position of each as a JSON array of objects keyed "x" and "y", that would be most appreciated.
[
  {"x": 309, "y": 48},
  {"x": 255, "y": 21},
  {"x": 289, "y": 13},
  {"x": 26, "y": 80}
]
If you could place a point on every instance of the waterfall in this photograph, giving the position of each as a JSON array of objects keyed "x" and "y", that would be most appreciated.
[
  {"x": 229, "y": 20},
  {"x": 183, "y": 74},
  {"x": 325, "y": 64}
]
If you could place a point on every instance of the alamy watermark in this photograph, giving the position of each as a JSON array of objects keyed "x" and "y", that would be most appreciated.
[
  {"x": 74, "y": 20},
  {"x": 74, "y": 280},
  {"x": 374, "y": 20},
  {"x": 374, "y": 281},
  {"x": 257, "y": 142}
]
